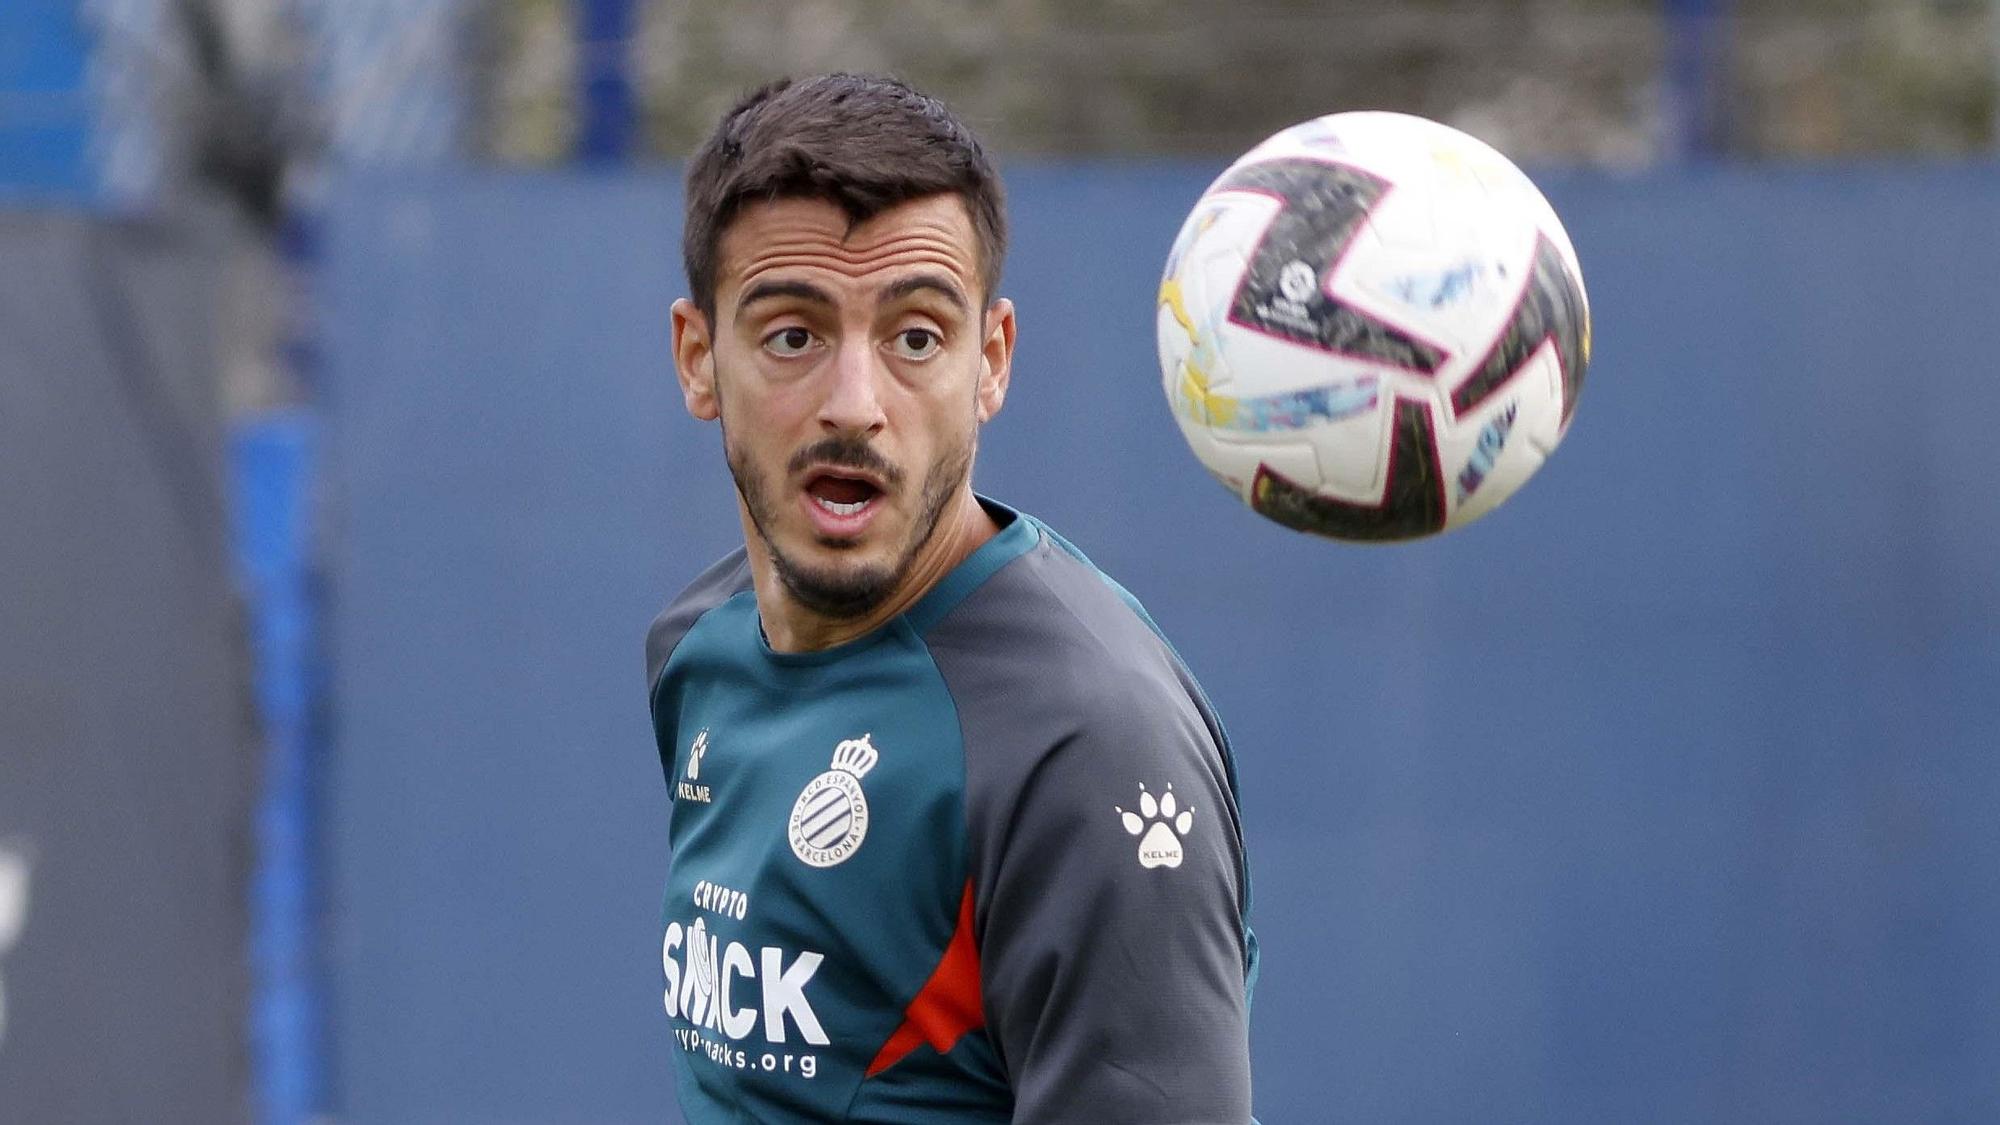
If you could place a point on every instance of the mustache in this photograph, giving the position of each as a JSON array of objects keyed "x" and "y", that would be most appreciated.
[{"x": 845, "y": 452}]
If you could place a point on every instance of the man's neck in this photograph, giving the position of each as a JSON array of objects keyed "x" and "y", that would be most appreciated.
[{"x": 791, "y": 627}]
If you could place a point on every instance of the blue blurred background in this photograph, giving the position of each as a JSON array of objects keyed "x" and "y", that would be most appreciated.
[{"x": 1665, "y": 793}]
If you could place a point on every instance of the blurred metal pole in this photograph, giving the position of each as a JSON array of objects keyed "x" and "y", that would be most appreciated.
[
  {"x": 1696, "y": 90},
  {"x": 604, "y": 37},
  {"x": 274, "y": 456}
]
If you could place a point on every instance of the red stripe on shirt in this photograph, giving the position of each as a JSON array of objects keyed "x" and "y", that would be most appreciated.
[{"x": 947, "y": 1006}]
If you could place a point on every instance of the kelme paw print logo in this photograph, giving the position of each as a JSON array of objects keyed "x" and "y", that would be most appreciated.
[{"x": 1159, "y": 824}]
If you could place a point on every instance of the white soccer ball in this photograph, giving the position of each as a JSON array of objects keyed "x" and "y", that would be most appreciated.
[{"x": 1373, "y": 327}]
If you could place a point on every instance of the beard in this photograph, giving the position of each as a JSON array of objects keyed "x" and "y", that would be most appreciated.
[{"x": 853, "y": 589}]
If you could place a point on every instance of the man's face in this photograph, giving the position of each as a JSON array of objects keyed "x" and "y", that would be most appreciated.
[{"x": 851, "y": 370}]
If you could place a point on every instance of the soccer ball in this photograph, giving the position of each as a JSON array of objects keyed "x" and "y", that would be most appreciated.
[{"x": 1373, "y": 327}]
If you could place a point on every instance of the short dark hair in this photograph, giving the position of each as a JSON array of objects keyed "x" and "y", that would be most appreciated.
[{"x": 862, "y": 142}]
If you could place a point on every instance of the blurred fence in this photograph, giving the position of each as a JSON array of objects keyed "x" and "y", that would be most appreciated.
[
  {"x": 1665, "y": 793},
  {"x": 129, "y": 100}
]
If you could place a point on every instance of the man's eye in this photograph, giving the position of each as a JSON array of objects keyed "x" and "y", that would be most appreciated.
[
  {"x": 788, "y": 341},
  {"x": 917, "y": 343}
]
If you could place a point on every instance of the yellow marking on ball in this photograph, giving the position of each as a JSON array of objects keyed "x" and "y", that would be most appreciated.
[
  {"x": 1205, "y": 406},
  {"x": 1170, "y": 296}
]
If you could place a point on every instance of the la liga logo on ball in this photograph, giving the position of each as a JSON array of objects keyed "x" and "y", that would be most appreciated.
[
  {"x": 830, "y": 818},
  {"x": 1372, "y": 327}
]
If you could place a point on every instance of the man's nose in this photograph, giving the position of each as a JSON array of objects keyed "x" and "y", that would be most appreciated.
[{"x": 852, "y": 403}]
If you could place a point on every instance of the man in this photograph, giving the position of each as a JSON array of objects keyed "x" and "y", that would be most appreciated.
[{"x": 954, "y": 831}]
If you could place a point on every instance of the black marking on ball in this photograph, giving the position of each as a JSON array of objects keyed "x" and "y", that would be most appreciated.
[
  {"x": 1325, "y": 205},
  {"x": 1412, "y": 503},
  {"x": 1551, "y": 306}
]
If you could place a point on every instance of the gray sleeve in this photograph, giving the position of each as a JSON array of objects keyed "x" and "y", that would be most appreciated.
[
  {"x": 1108, "y": 882},
  {"x": 711, "y": 588},
  {"x": 714, "y": 586}
]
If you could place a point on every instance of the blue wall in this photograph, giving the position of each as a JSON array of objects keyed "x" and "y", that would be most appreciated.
[{"x": 1664, "y": 793}]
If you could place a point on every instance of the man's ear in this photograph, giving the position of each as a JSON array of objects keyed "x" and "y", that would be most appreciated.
[
  {"x": 694, "y": 360},
  {"x": 996, "y": 358}
]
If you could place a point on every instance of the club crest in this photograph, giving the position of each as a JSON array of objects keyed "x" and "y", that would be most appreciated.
[{"x": 830, "y": 818}]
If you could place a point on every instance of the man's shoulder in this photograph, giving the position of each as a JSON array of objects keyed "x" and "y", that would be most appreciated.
[
  {"x": 729, "y": 576},
  {"x": 1051, "y": 652},
  {"x": 1052, "y": 608}
]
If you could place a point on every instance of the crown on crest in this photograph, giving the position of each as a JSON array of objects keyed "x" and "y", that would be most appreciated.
[{"x": 855, "y": 756}]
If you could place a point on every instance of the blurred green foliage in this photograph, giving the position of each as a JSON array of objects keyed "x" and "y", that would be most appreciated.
[{"x": 1547, "y": 80}]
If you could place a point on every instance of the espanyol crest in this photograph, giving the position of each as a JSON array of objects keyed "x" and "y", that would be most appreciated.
[{"x": 830, "y": 818}]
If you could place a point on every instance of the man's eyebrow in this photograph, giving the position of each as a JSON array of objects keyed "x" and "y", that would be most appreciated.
[
  {"x": 936, "y": 283},
  {"x": 772, "y": 290}
]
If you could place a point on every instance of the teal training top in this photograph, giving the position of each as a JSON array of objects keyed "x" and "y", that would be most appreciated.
[{"x": 981, "y": 864}]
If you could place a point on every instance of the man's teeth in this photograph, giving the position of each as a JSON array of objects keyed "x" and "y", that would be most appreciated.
[{"x": 840, "y": 509}]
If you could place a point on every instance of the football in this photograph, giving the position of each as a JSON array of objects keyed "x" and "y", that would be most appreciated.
[{"x": 1372, "y": 327}]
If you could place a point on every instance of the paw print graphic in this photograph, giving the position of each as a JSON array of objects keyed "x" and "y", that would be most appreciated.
[
  {"x": 1160, "y": 823},
  {"x": 696, "y": 752}
]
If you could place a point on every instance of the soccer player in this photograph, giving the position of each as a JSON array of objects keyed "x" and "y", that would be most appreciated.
[{"x": 954, "y": 831}]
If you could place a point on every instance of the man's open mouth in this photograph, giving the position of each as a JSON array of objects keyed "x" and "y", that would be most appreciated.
[{"x": 840, "y": 493}]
